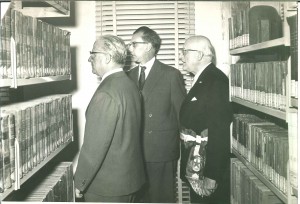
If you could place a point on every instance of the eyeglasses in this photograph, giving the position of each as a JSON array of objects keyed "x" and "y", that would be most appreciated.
[
  {"x": 184, "y": 51},
  {"x": 92, "y": 52},
  {"x": 134, "y": 44}
]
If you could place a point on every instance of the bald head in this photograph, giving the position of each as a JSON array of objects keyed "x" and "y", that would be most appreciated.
[
  {"x": 197, "y": 53},
  {"x": 201, "y": 43}
]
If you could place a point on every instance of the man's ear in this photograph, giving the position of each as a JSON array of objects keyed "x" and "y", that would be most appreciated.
[
  {"x": 149, "y": 47},
  {"x": 107, "y": 58},
  {"x": 200, "y": 55}
]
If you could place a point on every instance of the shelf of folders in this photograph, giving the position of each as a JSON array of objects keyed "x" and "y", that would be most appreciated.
[
  {"x": 263, "y": 147},
  {"x": 33, "y": 51},
  {"x": 32, "y": 133},
  {"x": 45, "y": 9},
  {"x": 261, "y": 86}
]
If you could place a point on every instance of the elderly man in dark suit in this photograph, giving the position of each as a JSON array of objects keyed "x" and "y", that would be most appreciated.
[
  {"x": 207, "y": 111},
  {"x": 162, "y": 90},
  {"x": 110, "y": 166}
]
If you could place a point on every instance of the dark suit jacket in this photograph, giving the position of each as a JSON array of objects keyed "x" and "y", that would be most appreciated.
[
  {"x": 110, "y": 161},
  {"x": 207, "y": 106},
  {"x": 163, "y": 94}
]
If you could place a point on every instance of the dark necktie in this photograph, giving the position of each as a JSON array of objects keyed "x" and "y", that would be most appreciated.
[{"x": 142, "y": 77}]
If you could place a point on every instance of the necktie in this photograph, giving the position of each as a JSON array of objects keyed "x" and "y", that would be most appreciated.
[{"x": 142, "y": 77}]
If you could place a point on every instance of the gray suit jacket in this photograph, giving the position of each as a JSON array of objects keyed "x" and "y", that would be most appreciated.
[
  {"x": 110, "y": 161},
  {"x": 163, "y": 94}
]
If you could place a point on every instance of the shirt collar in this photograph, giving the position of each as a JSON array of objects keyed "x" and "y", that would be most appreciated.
[
  {"x": 148, "y": 66},
  {"x": 111, "y": 72},
  {"x": 199, "y": 73}
]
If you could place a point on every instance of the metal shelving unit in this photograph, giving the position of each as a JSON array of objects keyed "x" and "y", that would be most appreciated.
[
  {"x": 51, "y": 9},
  {"x": 264, "y": 109},
  {"x": 269, "y": 47},
  {"x": 36, "y": 169},
  {"x": 44, "y": 9},
  {"x": 32, "y": 81},
  {"x": 259, "y": 46},
  {"x": 261, "y": 177}
]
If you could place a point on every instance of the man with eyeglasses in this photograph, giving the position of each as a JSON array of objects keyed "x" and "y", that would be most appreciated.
[
  {"x": 110, "y": 165},
  {"x": 205, "y": 115},
  {"x": 162, "y": 90}
]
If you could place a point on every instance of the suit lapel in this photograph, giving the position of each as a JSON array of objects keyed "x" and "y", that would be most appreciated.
[
  {"x": 198, "y": 84},
  {"x": 134, "y": 75},
  {"x": 152, "y": 79}
]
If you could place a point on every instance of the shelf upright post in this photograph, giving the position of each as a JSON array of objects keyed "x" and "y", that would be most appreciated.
[{"x": 17, "y": 165}]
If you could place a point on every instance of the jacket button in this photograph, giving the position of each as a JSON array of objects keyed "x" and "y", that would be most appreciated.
[
  {"x": 83, "y": 182},
  {"x": 150, "y": 115}
]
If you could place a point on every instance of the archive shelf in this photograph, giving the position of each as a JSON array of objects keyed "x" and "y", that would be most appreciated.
[
  {"x": 31, "y": 81},
  {"x": 261, "y": 177},
  {"x": 280, "y": 42},
  {"x": 46, "y": 9},
  {"x": 264, "y": 109},
  {"x": 42, "y": 9},
  {"x": 36, "y": 169},
  {"x": 280, "y": 48}
]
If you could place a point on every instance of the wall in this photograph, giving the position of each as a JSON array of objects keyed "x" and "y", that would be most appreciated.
[{"x": 210, "y": 21}]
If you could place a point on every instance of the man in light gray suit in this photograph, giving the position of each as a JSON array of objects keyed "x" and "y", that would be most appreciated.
[
  {"x": 110, "y": 166},
  {"x": 162, "y": 90}
]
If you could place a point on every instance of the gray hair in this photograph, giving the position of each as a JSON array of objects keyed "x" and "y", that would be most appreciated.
[{"x": 115, "y": 46}]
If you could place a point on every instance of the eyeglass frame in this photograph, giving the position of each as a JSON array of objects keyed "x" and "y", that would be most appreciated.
[
  {"x": 134, "y": 44},
  {"x": 92, "y": 52},
  {"x": 184, "y": 51}
]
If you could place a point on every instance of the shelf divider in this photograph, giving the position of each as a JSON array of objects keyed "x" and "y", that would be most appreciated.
[
  {"x": 32, "y": 81},
  {"x": 259, "y": 46},
  {"x": 267, "y": 110}
]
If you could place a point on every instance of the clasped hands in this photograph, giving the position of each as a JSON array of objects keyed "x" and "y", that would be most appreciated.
[{"x": 209, "y": 186}]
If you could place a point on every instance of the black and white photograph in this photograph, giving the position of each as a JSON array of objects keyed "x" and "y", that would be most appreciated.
[{"x": 149, "y": 101}]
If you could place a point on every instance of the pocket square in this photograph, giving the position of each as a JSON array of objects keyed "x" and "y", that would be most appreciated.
[{"x": 194, "y": 99}]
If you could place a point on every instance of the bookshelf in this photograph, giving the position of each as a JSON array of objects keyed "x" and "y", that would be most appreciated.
[
  {"x": 264, "y": 109},
  {"x": 14, "y": 83},
  {"x": 41, "y": 134},
  {"x": 43, "y": 8},
  {"x": 36, "y": 169},
  {"x": 259, "y": 46},
  {"x": 261, "y": 177},
  {"x": 281, "y": 48}
]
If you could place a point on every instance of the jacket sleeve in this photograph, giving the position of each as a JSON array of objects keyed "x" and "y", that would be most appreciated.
[
  {"x": 218, "y": 123},
  {"x": 101, "y": 119},
  {"x": 178, "y": 92}
]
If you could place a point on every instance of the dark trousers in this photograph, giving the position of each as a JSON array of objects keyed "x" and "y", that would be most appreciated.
[
  {"x": 91, "y": 197},
  {"x": 220, "y": 196},
  {"x": 160, "y": 185}
]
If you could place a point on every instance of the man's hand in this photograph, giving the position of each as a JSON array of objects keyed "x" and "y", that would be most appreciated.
[
  {"x": 209, "y": 186},
  {"x": 78, "y": 194}
]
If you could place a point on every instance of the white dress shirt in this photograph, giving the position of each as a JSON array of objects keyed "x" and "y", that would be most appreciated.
[{"x": 148, "y": 66}]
